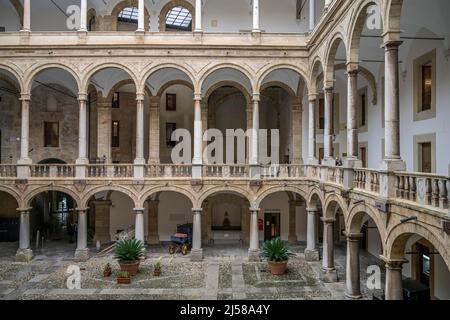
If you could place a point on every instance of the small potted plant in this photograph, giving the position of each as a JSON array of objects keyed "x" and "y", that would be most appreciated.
[
  {"x": 129, "y": 253},
  {"x": 107, "y": 271},
  {"x": 157, "y": 269},
  {"x": 277, "y": 253},
  {"x": 123, "y": 277}
]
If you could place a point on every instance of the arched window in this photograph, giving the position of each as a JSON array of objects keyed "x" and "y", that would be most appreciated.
[
  {"x": 178, "y": 19},
  {"x": 129, "y": 15}
]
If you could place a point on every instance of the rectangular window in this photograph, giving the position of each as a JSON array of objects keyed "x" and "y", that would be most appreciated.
[
  {"x": 51, "y": 134},
  {"x": 427, "y": 85},
  {"x": 363, "y": 110},
  {"x": 363, "y": 156},
  {"x": 115, "y": 139},
  {"x": 425, "y": 154},
  {"x": 171, "y": 102},
  {"x": 116, "y": 100},
  {"x": 321, "y": 114}
]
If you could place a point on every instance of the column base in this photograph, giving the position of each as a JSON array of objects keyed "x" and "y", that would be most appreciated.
[
  {"x": 24, "y": 255},
  {"x": 197, "y": 171},
  {"x": 253, "y": 255},
  {"x": 312, "y": 255},
  {"x": 329, "y": 276},
  {"x": 82, "y": 254},
  {"x": 352, "y": 297},
  {"x": 197, "y": 255},
  {"x": 255, "y": 171},
  {"x": 352, "y": 163},
  {"x": 393, "y": 165},
  {"x": 292, "y": 240}
]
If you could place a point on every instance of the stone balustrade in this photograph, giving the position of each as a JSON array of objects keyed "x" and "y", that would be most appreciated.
[
  {"x": 367, "y": 179},
  {"x": 52, "y": 171},
  {"x": 8, "y": 170}
]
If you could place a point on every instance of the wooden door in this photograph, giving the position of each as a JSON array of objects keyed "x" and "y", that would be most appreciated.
[
  {"x": 363, "y": 156},
  {"x": 425, "y": 157}
]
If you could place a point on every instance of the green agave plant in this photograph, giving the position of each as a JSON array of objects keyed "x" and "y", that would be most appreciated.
[
  {"x": 276, "y": 250},
  {"x": 129, "y": 251}
]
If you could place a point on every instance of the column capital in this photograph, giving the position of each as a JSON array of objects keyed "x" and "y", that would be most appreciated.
[
  {"x": 311, "y": 210},
  {"x": 81, "y": 210},
  {"x": 326, "y": 220},
  {"x": 256, "y": 97},
  {"x": 197, "y": 210},
  {"x": 82, "y": 96},
  {"x": 25, "y": 96},
  {"x": 353, "y": 236},
  {"x": 393, "y": 264},
  {"x": 352, "y": 66},
  {"x": 391, "y": 45},
  {"x": 352, "y": 72},
  {"x": 24, "y": 210},
  {"x": 328, "y": 89},
  {"x": 138, "y": 210},
  {"x": 197, "y": 97},
  {"x": 140, "y": 96},
  {"x": 312, "y": 97},
  {"x": 254, "y": 210}
]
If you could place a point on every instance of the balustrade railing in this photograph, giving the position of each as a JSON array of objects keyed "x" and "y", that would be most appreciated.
[
  {"x": 110, "y": 171},
  {"x": 226, "y": 171},
  {"x": 52, "y": 171},
  {"x": 366, "y": 179},
  {"x": 168, "y": 170},
  {"x": 8, "y": 170},
  {"x": 335, "y": 175}
]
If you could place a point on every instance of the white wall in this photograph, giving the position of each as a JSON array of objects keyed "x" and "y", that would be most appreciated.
[
  {"x": 174, "y": 209},
  {"x": 122, "y": 215}
]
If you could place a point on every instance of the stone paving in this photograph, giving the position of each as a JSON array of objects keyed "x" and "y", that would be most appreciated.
[{"x": 225, "y": 274}]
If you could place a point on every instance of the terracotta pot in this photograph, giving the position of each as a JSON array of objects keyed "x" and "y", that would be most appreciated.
[
  {"x": 107, "y": 274},
  {"x": 132, "y": 268},
  {"x": 123, "y": 280},
  {"x": 157, "y": 272},
  {"x": 278, "y": 268}
]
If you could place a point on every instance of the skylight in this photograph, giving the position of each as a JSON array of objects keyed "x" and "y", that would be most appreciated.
[
  {"x": 179, "y": 18},
  {"x": 129, "y": 14}
]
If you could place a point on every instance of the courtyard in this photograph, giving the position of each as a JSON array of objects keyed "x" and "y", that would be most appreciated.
[{"x": 224, "y": 274}]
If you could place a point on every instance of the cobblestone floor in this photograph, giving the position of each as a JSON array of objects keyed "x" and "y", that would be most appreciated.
[{"x": 224, "y": 274}]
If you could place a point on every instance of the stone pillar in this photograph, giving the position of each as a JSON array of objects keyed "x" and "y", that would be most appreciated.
[
  {"x": 253, "y": 251},
  {"x": 292, "y": 238},
  {"x": 249, "y": 112},
  {"x": 198, "y": 16},
  {"x": 328, "y": 130},
  {"x": 245, "y": 224},
  {"x": 82, "y": 160},
  {"x": 311, "y": 251},
  {"x": 197, "y": 251},
  {"x": 312, "y": 14},
  {"x": 23, "y": 169},
  {"x": 104, "y": 124},
  {"x": 24, "y": 253},
  {"x": 353, "y": 287},
  {"x": 197, "y": 161},
  {"x": 139, "y": 161},
  {"x": 256, "y": 27},
  {"x": 139, "y": 233},
  {"x": 26, "y": 16},
  {"x": 153, "y": 211},
  {"x": 83, "y": 16},
  {"x": 312, "y": 131},
  {"x": 394, "y": 279},
  {"x": 297, "y": 112},
  {"x": 330, "y": 274},
  {"x": 254, "y": 160},
  {"x": 102, "y": 220},
  {"x": 154, "y": 130},
  {"x": 206, "y": 222},
  {"x": 352, "y": 124},
  {"x": 204, "y": 122},
  {"x": 82, "y": 252},
  {"x": 141, "y": 15}
]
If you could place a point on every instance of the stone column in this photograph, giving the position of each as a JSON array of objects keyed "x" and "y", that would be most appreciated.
[
  {"x": 153, "y": 211},
  {"x": 206, "y": 222},
  {"x": 297, "y": 131},
  {"x": 139, "y": 161},
  {"x": 394, "y": 279},
  {"x": 249, "y": 112},
  {"x": 82, "y": 252},
  {"x": 102, "y": 221},
  {"x": 311, "y": 252},
  {"x": 141, "y": 8},
  {"x": 139, "y": 233},
  {"x": 198, "y": 16},
  {"x": 23, "y": 169},
  {"x": 256, "y": 27},
  {"x": 353, "y": 287},
  {"x": 254, "y": 160},
  {"x": 154, "y": 130},
  {"x": 328, "y": 130},
  {"x": 197, "y": 161},
  {"x": 83, "y": 16},
  {"x": 245, "y": 224},
  {"x": 312, "y": 14},
  {"x": 352, "y": 124},
  {"x": 204, "y": 122},
  {"x": 26, "y": 16},
  {"x": 104, "y": 124},
  {"x": 82, "y": 160},
  {"x": 253, "y": 251},
  {"x": 329, "y": 274},
  {"x": 292, "y": 238},
  {"x": 197, "y": 251},
  {"x": 312, "y": 131},
  {"x": 24, "y": 253}
]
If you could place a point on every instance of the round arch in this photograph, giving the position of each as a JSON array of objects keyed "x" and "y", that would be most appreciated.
[
  {"x": 147, "y": 194},
  {"x": 167, "y": 85},
  {"x": 223, "y": 189},
  {"x": 280, "y": 84},
  {"x": 13, "y": 193},
  {"x": 332, "y": 202},
  {"x": 260, "y": 197},
  {"x": 30, "y": 196},
  {"x": 147, "y": 73},
  {"x": 392, "y": 16},
  {"x": 398, "y": 237},
  {"x": 121, "y": 84},
  {"x": 15, "y": 74},
  {"x": 28, "y": 82},
  {"x": 210, "y": 71},
  {"x": 233, "y": 84},
  {"x": 315, "y": 196},
  {"x": 316, "y": 66},
  {"x": 336, "y": 40},
  {"x": 127, "y": 191},
  {"x": 129, "y": 3},
  {"x": 88, "y": 76},
  {"x": 355, "y": 218},
  {"x": 169, "y": 6},
  {"x": 262, "y": 75}
]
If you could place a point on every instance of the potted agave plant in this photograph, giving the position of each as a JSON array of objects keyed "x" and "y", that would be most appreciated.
[
  {"x": 277, "y": 253},
  {"x": 107, "y": 271},
  {"x": 123, "y": 277},
  {"x": 157, "y": 269},
  {"x": 129, "y": 253}
]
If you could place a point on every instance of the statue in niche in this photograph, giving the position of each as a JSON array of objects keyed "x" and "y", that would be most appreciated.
[{"x": 226, "y": 221}]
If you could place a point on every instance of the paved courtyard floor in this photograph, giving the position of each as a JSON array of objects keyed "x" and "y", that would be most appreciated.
[{"x": 224, "y": 274}]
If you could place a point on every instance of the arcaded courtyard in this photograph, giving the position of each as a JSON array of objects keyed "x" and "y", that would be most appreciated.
[{"x": 224, "y": 274}]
